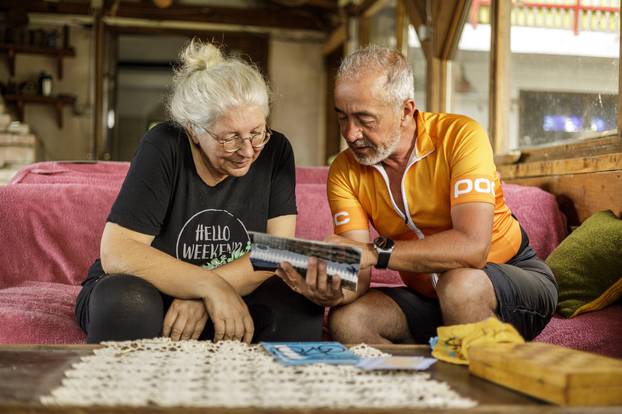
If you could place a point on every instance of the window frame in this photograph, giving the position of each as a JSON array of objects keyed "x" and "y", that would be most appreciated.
[{"x": 439, "y": 49}]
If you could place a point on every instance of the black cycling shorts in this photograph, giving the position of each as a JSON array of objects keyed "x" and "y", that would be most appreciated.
[{"x": 525, "y": 288}]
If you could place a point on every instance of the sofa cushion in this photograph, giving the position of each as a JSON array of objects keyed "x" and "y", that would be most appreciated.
[
  {"x": 311, "y": 175},
  {"x": 314, "y": 218},
  {"x": 599, "y": 332},
  {"x": 39, "y": 312},
  {"x": 60, "y": 172},
  {"x": 588, "y": 265},
  {"x": 51, "y": 233},
  {"x": 538, "y": 213}
]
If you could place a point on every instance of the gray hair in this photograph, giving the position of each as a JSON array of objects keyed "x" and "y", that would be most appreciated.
[
  {"x": 399, "y": 83},
  {"x": 207, "y": 84}
]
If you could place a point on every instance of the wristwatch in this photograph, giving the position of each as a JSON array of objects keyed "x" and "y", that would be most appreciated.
[{"x": 384, "y": 248}]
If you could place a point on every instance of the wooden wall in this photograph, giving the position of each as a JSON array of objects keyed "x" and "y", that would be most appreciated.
[{"x": 586, "y": 178}]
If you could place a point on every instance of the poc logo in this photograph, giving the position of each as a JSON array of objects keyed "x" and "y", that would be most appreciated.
[
  {"x": 342, "y": 218},
  {"x": 479, "y": 185}
]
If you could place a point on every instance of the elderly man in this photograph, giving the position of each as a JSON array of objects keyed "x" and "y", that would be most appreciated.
[{"x": 427, "y": 182}]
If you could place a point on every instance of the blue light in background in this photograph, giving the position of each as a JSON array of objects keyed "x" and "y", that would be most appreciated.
[{"x": 562, "y": 123}]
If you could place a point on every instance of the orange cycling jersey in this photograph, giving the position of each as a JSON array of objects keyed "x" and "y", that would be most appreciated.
[{"x": 452, "y": 164}]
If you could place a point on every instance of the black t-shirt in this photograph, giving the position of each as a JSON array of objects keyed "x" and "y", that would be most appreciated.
[{"x": 164, "y": 196}]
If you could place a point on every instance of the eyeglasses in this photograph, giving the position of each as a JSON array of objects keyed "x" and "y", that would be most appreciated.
[{"x": 233, "y": 144}]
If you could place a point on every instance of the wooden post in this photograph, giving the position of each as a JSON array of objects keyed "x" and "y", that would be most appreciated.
[
  {"x": 619, "y": 114},
  {"x": 499, "y": 94},
  {"x": 363, "y": 31},
  {"x": 436, "y": 86},
  {"x": 401, "y": 29},
  {"x": 453, "y": 29},
  {"x": 335, "y": 40},
  {"x": 98, "y": 121}
]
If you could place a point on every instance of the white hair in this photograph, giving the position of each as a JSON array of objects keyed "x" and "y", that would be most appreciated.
[
  {"x": 399, "y": 82},
  {"x": 207, "y": 84}
]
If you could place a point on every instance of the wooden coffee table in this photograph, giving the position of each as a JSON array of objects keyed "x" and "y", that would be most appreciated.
[{"x": 28, "y": 372}]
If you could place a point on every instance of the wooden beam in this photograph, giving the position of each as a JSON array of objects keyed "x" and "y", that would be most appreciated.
[
  {"x": 417, "y": 17},
  {"x": 620, "y": 86},
  {"x": 436, "y": 87},
  {"x": 454, "y": 30},
  {"x": 436, "y": 69},
  {"x": 579, "y": 148},
  {"x": 337, "y": 38},
  {"x": 275, "y": 17},
  {"x": 499, "y": 93},
  {"x": 324, "y": 4},
  {"x": 261, "y": 17},
  {"x": 442, "y": 22},
  {"x": 363, "y": 31},
  {"x": 401, "y": 32},
  {"x": 442, "y": 13},
  {"x": 511, "y": 157},
  {"x": 608, "y": 162},
  {"x": 368, "y": 7},
  {"x": 41, "y": 6},
  {"x": 581, "y": 195}
]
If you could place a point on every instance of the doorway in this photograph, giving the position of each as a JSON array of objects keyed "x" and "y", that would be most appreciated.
[{"x": 140, "y": 87}]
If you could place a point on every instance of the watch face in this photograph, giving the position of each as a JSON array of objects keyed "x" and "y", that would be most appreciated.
[{"x": 383, "y": 243}]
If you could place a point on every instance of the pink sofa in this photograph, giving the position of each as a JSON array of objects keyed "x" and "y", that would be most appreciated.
[{"x": 52, "y": 215}]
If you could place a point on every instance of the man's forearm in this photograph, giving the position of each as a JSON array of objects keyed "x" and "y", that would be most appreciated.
[{"x": 439, "y": 252}]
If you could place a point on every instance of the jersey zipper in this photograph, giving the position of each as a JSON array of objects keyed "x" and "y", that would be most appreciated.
[{"x": 406, "y": 216}]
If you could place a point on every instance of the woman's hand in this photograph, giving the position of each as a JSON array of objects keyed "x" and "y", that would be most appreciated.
[
  {"x": 316, "y": 285},
  {"x": 228, "y": 311},
  {"x": 185, "y": 319}
]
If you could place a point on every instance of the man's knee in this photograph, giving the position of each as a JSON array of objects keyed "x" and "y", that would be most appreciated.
[
  {"x": 124, "y": 307},
  {"x": 464, "y": 285},
  {"x": 347, "y": 323},
  {"x": 373, "y": 318},
  {"x": 465, "y": 296}
]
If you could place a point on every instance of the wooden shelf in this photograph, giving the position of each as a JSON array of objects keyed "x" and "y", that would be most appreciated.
[
  {"x": 11, "y": 50},
  {"x": 56, "y": 101}
]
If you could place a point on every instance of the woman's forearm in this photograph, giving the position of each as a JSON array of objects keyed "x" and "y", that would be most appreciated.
[
  {"x": 173, "y": 276},
  {"x": 168, "y": 274},
  {"x": 241, "y": 276}
]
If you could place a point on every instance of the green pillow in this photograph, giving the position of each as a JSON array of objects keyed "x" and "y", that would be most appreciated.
[{"x": 588, "y": 265}]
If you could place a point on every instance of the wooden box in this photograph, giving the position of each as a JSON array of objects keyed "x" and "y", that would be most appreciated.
[{"x": 552, "y": 373}]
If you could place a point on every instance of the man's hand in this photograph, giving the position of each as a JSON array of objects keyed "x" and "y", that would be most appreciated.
[
  {"x": 228, "y": 311},
  {"x": 369, "y": 258},
  {"x": 185, "y": 319},
  {"x": 315, "y": 286}
]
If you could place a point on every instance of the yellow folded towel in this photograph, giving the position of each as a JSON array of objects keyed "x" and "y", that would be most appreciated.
[{"x": 454, "y": 341}]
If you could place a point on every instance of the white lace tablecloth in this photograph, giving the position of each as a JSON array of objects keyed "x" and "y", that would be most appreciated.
[{"x": 161, "y": 372}]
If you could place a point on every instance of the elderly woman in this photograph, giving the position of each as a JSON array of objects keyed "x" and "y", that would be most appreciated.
[{"x": 173, "y": 250}]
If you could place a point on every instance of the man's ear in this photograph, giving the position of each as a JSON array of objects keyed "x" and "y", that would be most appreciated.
[{"x": 408, "y": 109}]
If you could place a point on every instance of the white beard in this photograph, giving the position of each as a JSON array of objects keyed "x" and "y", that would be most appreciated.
[{"x": 380, "y": 152}]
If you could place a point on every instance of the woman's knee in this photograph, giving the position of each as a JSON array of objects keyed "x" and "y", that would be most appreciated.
[{"x": 124, "y": 307}]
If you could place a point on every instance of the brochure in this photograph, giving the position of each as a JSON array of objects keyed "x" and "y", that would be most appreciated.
[
  {"x": 268, "y": 251},
  {"x": 303, "y": 353}
]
